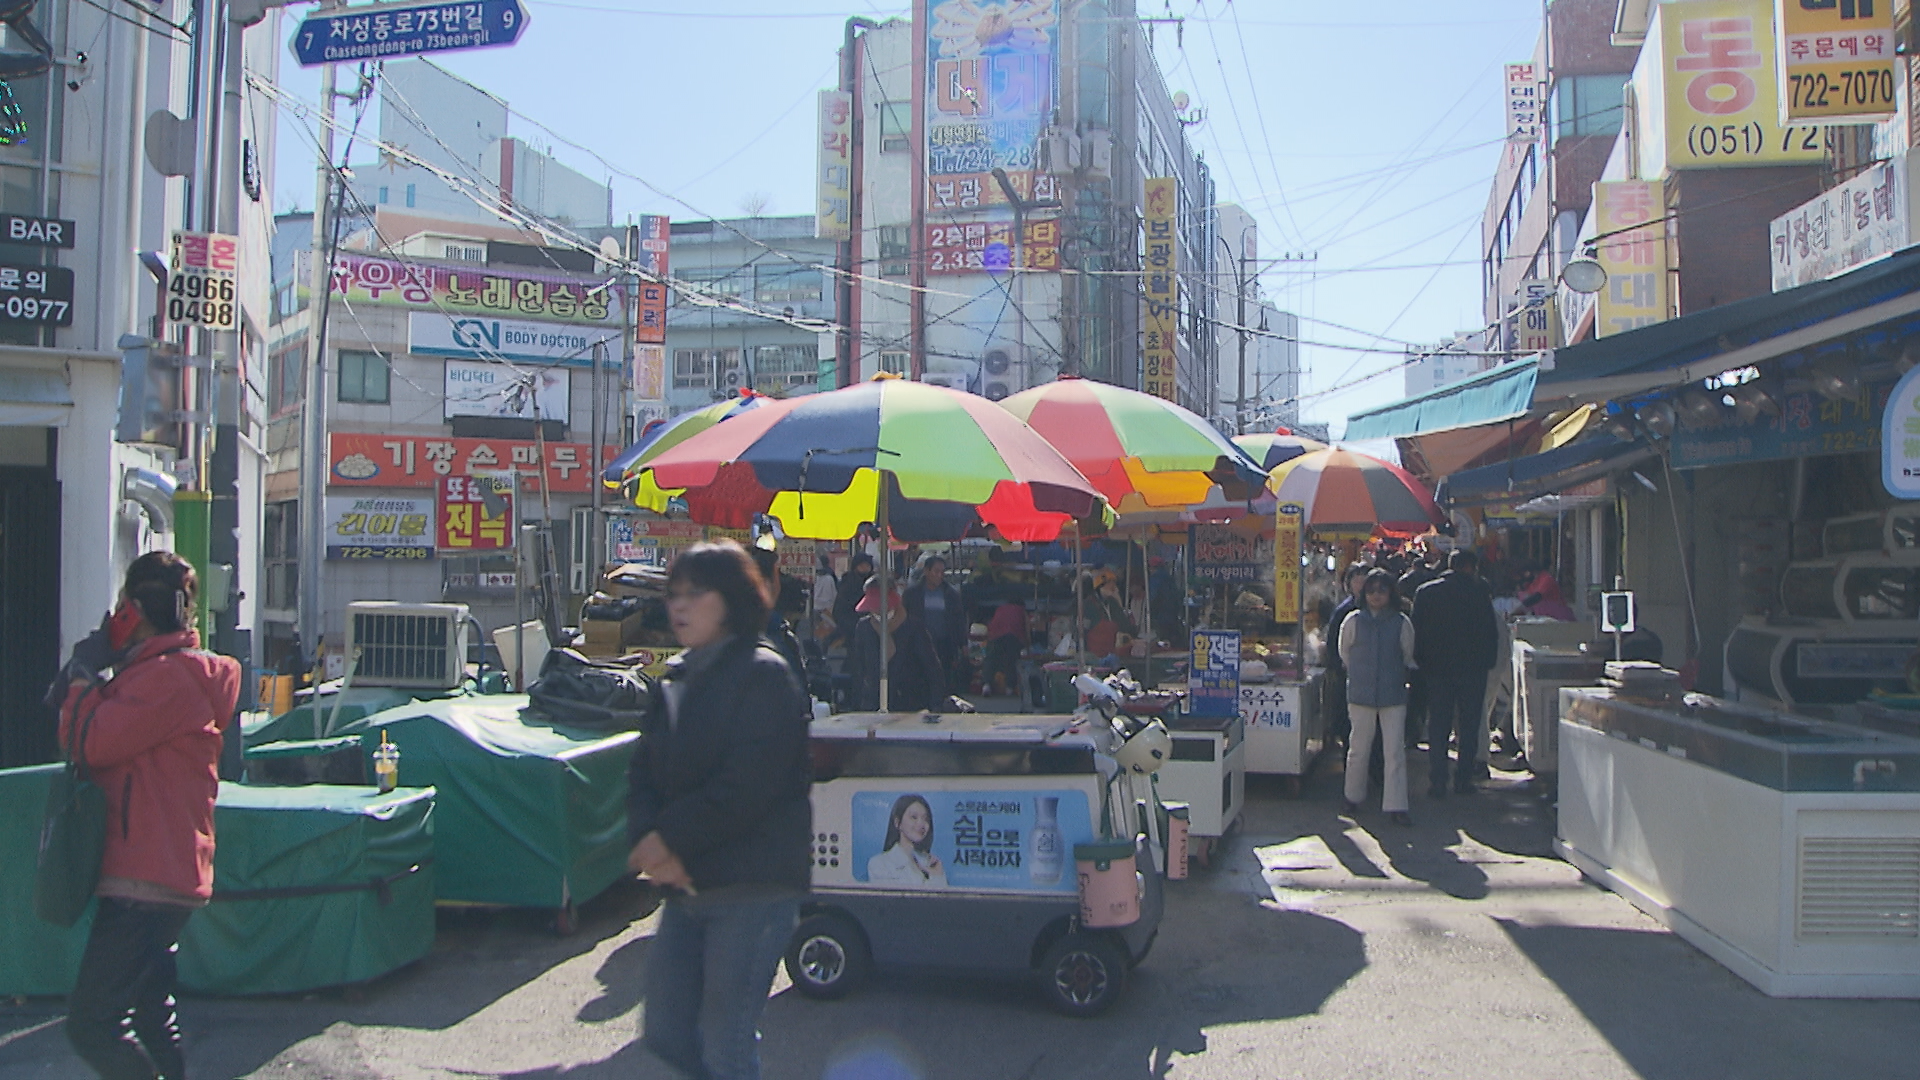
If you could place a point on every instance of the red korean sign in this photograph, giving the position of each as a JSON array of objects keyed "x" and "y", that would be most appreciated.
[
  {"x": 987, "y": 247},
  {"x": 476, "y": 513},
  {"x": 420, "y": 461}
]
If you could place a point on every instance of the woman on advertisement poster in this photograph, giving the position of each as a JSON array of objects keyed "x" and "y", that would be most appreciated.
[{"x": 906, "y": 856}]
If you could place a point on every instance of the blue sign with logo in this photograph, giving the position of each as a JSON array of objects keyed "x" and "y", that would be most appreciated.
[
  {"x": 1013, "y": 840},
  {"x": 1213, "y": 674},
  {"x": 349, "y": 35}
]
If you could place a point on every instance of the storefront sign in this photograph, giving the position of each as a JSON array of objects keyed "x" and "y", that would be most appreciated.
[
  {"x": 1900, "y": 439},
  {"x": 480, "y": 337},
  {"x": 482, "y": 290},
  {"x": 201, "y": 281},
  {"x": 481, "y": 389},
  {"x": 1271, "y": 707},
  {"x": 1808, "y": 425},
  {"x": 1286, "y": 562},
  {"x": 989, "y": 94},
  {"x": 35, "y": 295},
  {"x": 1013, "y": 839},
  {"x": 36, "y": 231},
  {"x": 1635, "y": 259},
  {"x": 650, "y": 319},
  {"x": 419, "y": 461},
  {"x": 649, "y": 372},
  {"x": 1523, "y": 105},
  {"x": 380, "y": 527},
  {"x": 1213, "y": 673},
  {"x": 1708, "y": 95},
  {"x": 1222, "y": 554},
  {"x": 1835, "y": 61},
  {"x": 1841, "y": 228},
  {"x": 987, "y": 247},
  {"x": 1161, "y": 290},
  {"x": 833, "y": 178},
  {"x": 1530, "y": 323},
  {"x": 476, "y": 514}
]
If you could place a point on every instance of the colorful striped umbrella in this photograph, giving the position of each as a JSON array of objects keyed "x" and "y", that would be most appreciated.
[
  {"x": 1141, "y": 452},
  {"x": 1276, "y": 447},
  {"x": 953, "y": 462},
  {"x": 1340, "y": 490},
  {"x": 665, "y": 435}
]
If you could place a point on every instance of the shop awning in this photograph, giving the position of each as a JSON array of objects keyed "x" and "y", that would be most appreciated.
[
  {"x": 1733, "y": 335},
  {"x": 31, "y": 397},
  {"x": 1501, "y": 393},
  {"x": 1541, "y": 474}
]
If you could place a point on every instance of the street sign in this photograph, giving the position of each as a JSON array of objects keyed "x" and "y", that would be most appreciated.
[
  {"x": 38, "y": 295},
  {"x": 383, "y": 31}
]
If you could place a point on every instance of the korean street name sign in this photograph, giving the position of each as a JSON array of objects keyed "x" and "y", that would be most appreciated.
[{"x": 381, "y": 32}]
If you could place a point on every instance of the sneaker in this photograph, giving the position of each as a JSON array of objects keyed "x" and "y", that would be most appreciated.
[{"x": 1401, "y": 818}]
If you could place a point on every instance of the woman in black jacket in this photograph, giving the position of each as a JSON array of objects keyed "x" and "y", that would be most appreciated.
[{"x": 718, "y": 812}]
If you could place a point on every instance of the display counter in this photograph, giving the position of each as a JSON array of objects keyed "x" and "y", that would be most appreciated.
[
  {"x": 1286, "y": 724},
  {"x": 1207, "y": 770},
  {"x": 1539, "y": 673},
  {"x": 1786, "y": 848}
]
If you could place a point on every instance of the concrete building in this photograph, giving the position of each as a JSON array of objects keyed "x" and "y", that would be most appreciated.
[
  {"x": 75, "y": 505},
  {"x": 1448, "y": 362},
  {"x": 1272, "y": 337}
]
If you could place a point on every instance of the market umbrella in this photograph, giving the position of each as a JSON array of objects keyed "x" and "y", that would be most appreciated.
[
  {"x": 667, "y": 434},
  {"x": 922, "y": 462},
  {"x": 1339, "y": 490},
  {"x": 1276, "y": 447}
]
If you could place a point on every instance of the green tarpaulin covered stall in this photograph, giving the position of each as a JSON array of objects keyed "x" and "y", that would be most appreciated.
[
  {"x": 529, "y": 814},
  {"x": 337, "y": 712}
]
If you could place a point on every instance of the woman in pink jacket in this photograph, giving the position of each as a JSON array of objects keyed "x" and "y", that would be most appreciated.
[{"x": 152, "y": 739}]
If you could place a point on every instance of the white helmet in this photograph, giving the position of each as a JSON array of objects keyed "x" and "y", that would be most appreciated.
[{"x": 1146, "y": 750}]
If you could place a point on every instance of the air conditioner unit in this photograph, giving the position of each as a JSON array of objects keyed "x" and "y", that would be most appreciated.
[
  {"x": 422, "y": 646},
  {"x": 952, "y": 380},
  {"x": 997, "y": 391},
  {"x": 996, "y": 361}
]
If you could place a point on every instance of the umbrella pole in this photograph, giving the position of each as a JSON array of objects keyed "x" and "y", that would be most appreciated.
[
  {"x": 1079, "y": 602},
  {"x": 1146, "y": 595},
  {"x": 884, "y": 567}
]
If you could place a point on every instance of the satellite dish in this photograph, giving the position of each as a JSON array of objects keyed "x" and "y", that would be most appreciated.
[{"x": 1180, "y": 101}]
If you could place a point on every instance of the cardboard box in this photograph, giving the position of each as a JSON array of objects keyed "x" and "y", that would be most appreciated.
[{"x": 612, "y": 633}]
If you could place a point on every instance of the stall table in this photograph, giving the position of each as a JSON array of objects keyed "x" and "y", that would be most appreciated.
[{"x": 1207, "y": 770}]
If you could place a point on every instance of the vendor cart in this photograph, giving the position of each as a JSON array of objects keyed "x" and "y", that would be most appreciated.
[
  {"x": 1286, "y": 725},
  {"x": 951, "y": 843}
]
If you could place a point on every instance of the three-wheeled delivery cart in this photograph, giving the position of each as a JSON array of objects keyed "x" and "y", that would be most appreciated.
[{"x": 982, "y": 843}]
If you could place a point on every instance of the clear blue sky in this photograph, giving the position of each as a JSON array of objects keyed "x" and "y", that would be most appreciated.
[{"x": 1365, "y": 133}]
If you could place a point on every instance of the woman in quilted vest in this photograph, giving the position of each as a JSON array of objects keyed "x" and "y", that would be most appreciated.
[{"x": 1376, "y": 645}]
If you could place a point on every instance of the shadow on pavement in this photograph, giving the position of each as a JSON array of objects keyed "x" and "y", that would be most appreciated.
[{"x": 1675, "y": 1014}]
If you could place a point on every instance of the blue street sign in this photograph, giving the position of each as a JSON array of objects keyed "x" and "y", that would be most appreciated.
[{"x": 347, "y": 35}]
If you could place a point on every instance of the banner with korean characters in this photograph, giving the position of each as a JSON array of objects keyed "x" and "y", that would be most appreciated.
[
  {"x": 833, "y": 175},
  {"x": 1842, "y": 227},
  {"x": 1635, "y": 259},
  {"x": 987, "y": 247},
  {"x": 977, "y": 834},
  {"x": 1227, "y": 554},
  {"x": 481, "y": 290},
  {"x": 1287, "y": 525},
  {"x": 1900, "y": 438},
  {"x": 1161, "y": 290},
  {"x": 476, "y": 514},
  {"x": 356, "y": 459},
  {"x": 1213, "y": 673},
  {"x": 474, "y": 388},
  {"x": 1707, "y": 93},
  {"x": 35, "y": 295},
  {"x": 380, "y": 527},
  {"x": 989, "y": 92},
  {"x": 1808, "y": 426},
  {"x": 202, "y": 281},
  {"x": 1836, "y": 61},
  {"x": 650, "y": 317},
  {"x": 1525, "y": 98},
  {"x": 1530, "y": 321}
]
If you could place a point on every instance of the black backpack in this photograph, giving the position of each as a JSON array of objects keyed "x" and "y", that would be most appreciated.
[{"x": 573, "y": 691}]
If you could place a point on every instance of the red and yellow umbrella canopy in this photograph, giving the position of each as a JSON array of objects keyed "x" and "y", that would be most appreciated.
[{"x": 1341, "y": 491}]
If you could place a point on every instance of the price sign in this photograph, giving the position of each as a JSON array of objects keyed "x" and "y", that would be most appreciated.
[
  {"x": 202, "y": 281},
  {"x": 476, "y": 513},
  {"x": 36, "y": 295}
]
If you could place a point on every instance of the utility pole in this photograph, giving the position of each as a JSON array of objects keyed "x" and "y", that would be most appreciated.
[
  {"x": 1018, "y": 256},
  {"x": 313, "y": 406},
  {"x": 1241, "y": 281},
  {"x": 847, "y": 342}
]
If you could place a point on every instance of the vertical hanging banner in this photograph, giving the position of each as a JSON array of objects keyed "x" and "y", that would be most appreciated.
[
  {"x": 1286, "y": 562},
  {"x": 989, "y": 95},
  {"x": 650, "y": 372},
  {"x": 1835, "y": 60},
  {"x": 650, "y": 321},
  {"x": 476, "y": 513},
  {"x": 1530, "y": 321},
  {"x": 1160, "y": 328},
  {"x": 201, "y": 279},
  {"x": 1635, "y": 258},
  {"x": 1525, "y": 108},
  {"x": 833, "y": 178}
]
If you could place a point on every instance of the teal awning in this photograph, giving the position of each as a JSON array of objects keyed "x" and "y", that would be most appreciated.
[{"x": 1501, "y": 393}]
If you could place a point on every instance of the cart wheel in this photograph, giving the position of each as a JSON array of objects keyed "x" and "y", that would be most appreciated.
[
  {"x": 566, "y": 920},
  {"x": 828, "y": 957},
  {"x": 1083, "y": 974}
]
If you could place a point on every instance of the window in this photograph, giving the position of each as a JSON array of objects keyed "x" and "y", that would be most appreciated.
[
  {"x": 706, "y": 369},
  {"x": 464, "y": 253},
  {"x": 727, "y": 283},
  {"x": 896, "y": 127},
  {"x": 1588, "y": 104},
  {"x": 895, "y": 363},
  {"x": 287, "y": 374},
  {"x": 364, "y": 378},
  {"x": 410, "y": 195},
  {"x": 280, "y": 554},
  {"x": 784, "y": 283},
  {"x": 383, "y": 196},
  {"x": 895, "y": 250},
  {"x": 779, "y": 366}
]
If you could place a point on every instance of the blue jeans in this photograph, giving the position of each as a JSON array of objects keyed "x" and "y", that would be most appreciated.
[
  {"x": 1453, "y": 707},
  {"x": 707, "y": 976}
]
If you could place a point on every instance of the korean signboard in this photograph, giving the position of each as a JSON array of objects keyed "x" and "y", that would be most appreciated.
[
  {"x": 380, "y": 527},
  {"x": 1524, "y": 105},
  {"x": 476, "y": 513},
  {"x": 989, "y": 93},
  {"x": 1222, "y": 553},
  {"x": 1836, "y": 60},
  {"x": 476, "y": 388},
  {"x": 1708, "y": 93},
  {"x": 1161, "y": 288},
  {"x": 1213, "y": 674},
  {"x": 1530, "y": 321},
  {"x": 833, "y": 178},
  {"x": 202, "y": 279},
  {"x": 476, "y": 290},
  {"x": 1635, "y": 259},
  {"x": 649, "y": 372},
  {"x": 987, "y": 247},
  {"x": 36, "y": 295},
  {"x": 1808, "y": 426},
  {"x": 1900, "y": 439},
  {"x": 650, "y": 316},
  {"x": 1841, "y": 228},
  {"x": 1286, "y": 561},
  {"x": 419, "y": 461},
  {"x": 941, "y": 835},
  {"x": 478, "y": 337}
]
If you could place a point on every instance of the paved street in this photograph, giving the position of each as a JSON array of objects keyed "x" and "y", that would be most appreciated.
[{"x": 1313, "y": 948}]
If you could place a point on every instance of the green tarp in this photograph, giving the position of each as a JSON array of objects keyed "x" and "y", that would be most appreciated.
[
  {"x": 293, "y": 909},
  {"x": 356, "y": 704},
  {"x": 529, "y": 814}
]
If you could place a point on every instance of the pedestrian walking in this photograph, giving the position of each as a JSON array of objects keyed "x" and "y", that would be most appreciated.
[
  {"x": 151, "y": 735},
  {"x": 935, "y": 602},
  {"x": 1454, "y": 629},
  {"x": 719, "y": 817},
  {"x": 1377, "y": 648}
]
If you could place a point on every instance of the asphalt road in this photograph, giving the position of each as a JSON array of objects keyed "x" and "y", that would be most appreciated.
[{"x": 1316, "y": 947}]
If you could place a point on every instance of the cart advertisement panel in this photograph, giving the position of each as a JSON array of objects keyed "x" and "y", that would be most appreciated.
[{"x": 919, "y": 835}]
